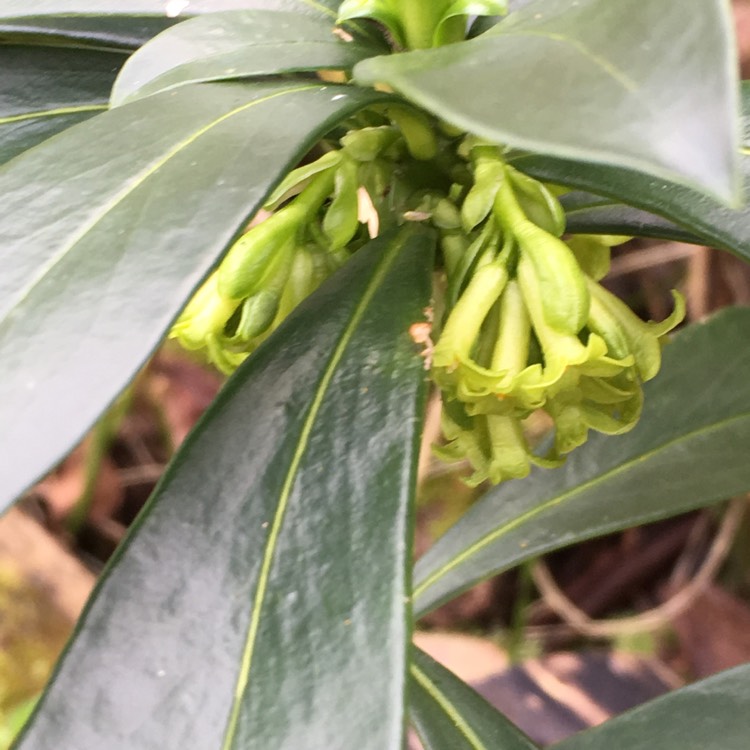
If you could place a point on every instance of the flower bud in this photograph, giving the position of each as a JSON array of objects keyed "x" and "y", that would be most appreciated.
[
  {"x": 483, "y": 246},
  {"x": 489, "y": 171},
  {"x": 454, "y": 246},
  {"x": 509, "y": 450},
  {"x": 416, "y": 129},
  {"x": 298, "y": 179},
  {"x": 445, "y": 215},
  {"x": 205, "y": 315},
  {"x": 465, "y": 320},
  {"x": 367, "y": 144},
  {"x": 593, "y": 256},
  {"x": 242, "y": 269},
  {"x": 562, "y": 284},
  {"x": 571, "y": 428},
  {"x": 342, "y": 216},
  {"x": 537, "y": 202},
  {"x": 257, "y": 314}
]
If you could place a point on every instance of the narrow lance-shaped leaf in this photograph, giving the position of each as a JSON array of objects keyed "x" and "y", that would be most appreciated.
[
  {"x": 242, "y": 610},
  {"x": 626, "y": 83},
  {"x": 170, "y": 8},
  {"x": 108, "y": 228},
  {"x": 708, "y": 220},
  {"x": 235, "y": 44},
  {"x": 114, "y": 33},
  {"x": 688, "y": 450},
  {"x": 449, "y": 715},
  {"x": 708, "y": 714},
  {"x": 44, "y": 90},
  {"x": 586, "y": 213}
]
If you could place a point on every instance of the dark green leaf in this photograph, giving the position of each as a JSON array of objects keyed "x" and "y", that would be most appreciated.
[
  {"x": 626, "y": 83},
  {"x": 242, "y": 611},
  {"x": 708, "y": 714},
  {"x": 235, "y": 44},
  {"x": 44, "y": 90},
  {"x": 689, "y": 450},
  {"x": 21, "y": 9},
  {"x": 449, "y": 715},
  {"x": 123, "y": 33},
  {"x": 107, "y": 229},
  {"x": 703, "y": 220},
  {"x": 710, "y": 221},
  {"x": 482, "y": 24},
  {"x": 586, "y": 213},
  {"x": 129, "y": 23}
]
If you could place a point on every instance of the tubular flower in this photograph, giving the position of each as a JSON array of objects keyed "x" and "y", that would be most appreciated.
[{"x": 529, "y": 328}]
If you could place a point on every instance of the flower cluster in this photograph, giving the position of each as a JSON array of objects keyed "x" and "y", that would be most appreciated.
[
  {"x": 318, "y": 213},
  {"x": 530, "y": 328}
]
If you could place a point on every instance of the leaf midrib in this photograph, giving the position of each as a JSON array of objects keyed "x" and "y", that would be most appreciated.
[
  {"x": 445, "y": 704},
  {"x": 59, "y": 112},
  {"x": 609, "y": 68},
  {"x": 578, "y": 489},
  {"x": 269, "y": 552}
]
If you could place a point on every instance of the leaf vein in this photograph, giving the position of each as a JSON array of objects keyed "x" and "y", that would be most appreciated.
[
  {"x": 440, "y": 698},
  {"x": 624, "y": 80},
  {"x": 61, "y": 112},
  {"x": 497, "y": 533},
  {"x": 286, "y": 491}
]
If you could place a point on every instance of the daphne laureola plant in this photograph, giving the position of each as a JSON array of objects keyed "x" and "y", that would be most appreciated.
[
  {"x": 311, "y": 195},
  {"x": 528, "y": 327}
]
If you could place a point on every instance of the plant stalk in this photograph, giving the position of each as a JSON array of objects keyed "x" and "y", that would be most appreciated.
[{"x": 420, "y": 19}]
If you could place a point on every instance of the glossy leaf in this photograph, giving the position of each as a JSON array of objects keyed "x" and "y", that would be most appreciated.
[
  {"x": 123, "y": 33},
  {"x": 127, "y": 24},
  {"x": 108, "y": 228},
  {"x": 234, "y": 44},
  {"x": 708, "y": 220},
  {"x": 586, "y": 213},
  {"x": 242, "y": 611},
  {"x": 593, "y": 81},
  {"x": 689, "y": 450},
  {"x": 708, "y": 714},
  {"x": 20, "y": 9},
  {"x": 44, "y": 90},
  {"x": 449, "y": 715}
]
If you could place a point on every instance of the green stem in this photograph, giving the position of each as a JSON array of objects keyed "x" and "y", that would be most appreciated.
[
  {"x": 101, "y": 439},
  {"x": 519, "y": 616},
  {"x": 420, "y": 19}
]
